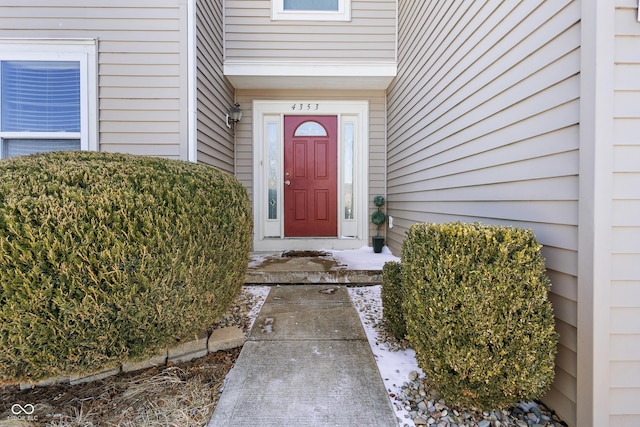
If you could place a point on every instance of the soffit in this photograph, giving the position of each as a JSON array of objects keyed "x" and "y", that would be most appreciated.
[{"x": 355, "y": 76}]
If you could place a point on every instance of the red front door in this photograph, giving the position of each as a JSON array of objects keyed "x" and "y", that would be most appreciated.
[{"x": 310, "y": 176}]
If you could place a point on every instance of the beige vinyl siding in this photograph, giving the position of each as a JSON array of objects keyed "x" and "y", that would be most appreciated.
[
  {"x": 142, "y": 57},
  {"x": 483, "y": 126},
  {"x": 251, "y": 35},
  {"x": 244, "y": 150},
  {"x": 215, "y": 94},
  {"x": 625, "y": 283}
]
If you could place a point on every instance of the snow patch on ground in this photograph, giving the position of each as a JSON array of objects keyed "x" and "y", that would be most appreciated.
[
  {"x": 257, "y": 259},
  {"x": 257, "y": 295},
  {"x": 394, "y": 365},
  {"x": 363, "y": 258}
]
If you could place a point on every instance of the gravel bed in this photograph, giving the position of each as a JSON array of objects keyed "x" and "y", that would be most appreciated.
[{"x": 426, "y": 409}]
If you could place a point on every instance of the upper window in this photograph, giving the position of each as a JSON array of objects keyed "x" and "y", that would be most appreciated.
[
  {"x": 331, "y": 5},
  {"x": 312, "y": 10},
  {"x": 44, "y": 97}
]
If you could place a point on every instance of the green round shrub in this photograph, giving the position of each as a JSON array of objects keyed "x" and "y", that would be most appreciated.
[
  {"x": 378, "y": 217},
  {"x": 378, "y": 201},
  {"x": 392, "y": 297},
  {"x": 109, "y": 257},
  {"x": 478, "y": 314}
]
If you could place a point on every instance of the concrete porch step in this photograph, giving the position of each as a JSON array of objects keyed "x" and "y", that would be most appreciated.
[{"x": 305, "y": 267}]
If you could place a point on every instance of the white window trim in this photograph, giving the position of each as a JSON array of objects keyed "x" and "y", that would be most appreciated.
[
  {"x": 83, "y": 51},
  {"x": 279, "y": 14},
  {"x": 352, "y": 234}
]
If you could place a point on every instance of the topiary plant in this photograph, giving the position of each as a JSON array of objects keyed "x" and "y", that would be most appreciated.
[
  {"x": 109, "y": 257},
  {"x": 378, "y": 218},
  {"x": 392, "y": 297},
  {"x": 477, "y": 312}
]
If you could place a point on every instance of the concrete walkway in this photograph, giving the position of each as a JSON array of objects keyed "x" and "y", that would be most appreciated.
[{"x": 307, "y": 363}]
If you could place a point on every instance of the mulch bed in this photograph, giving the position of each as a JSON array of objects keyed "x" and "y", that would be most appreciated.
[{"x": 183, "y": 394}]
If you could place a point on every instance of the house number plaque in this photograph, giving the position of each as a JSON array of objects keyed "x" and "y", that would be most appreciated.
[{"x": 305, "y": 107}]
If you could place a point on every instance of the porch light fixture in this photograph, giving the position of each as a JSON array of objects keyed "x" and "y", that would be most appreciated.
[{"x": 233, "y": 116}]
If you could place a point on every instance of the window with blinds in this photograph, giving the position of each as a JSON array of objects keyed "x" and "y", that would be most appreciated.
[{"x": 40, "y": 106}]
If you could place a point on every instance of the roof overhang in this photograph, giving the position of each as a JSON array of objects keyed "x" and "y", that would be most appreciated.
[{"x": 297, "y": 75}]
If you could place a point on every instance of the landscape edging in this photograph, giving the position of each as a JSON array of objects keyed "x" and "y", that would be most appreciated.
[{"x": 220, "y": 339}]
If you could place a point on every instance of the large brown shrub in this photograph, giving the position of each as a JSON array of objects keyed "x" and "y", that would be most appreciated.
[
  {"x": 477, "y": 312},
  {"x": 108, "y": 257}
]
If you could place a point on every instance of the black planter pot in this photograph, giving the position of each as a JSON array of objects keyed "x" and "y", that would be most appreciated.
[{"x": 378, "y": 243}]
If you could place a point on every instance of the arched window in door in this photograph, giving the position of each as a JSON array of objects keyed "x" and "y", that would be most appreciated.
[{"x": 310, "y": 128}]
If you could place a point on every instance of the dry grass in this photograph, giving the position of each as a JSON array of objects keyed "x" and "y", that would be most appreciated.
[{"x": 182, "y": 395}]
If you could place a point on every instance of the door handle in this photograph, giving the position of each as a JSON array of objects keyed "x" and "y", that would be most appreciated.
[{"x": 287, "y": 182}]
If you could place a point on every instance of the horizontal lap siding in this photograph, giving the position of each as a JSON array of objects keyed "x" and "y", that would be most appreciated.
[
  {"x": 215, "y": 94},
  {"x": 251, "y": 35},
  {"x": 483, "y": 126},
  {"x": 141, "y": 65},
  {"x": 625, "y": 285}
]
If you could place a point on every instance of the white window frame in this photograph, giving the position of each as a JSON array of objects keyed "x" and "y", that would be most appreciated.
[
  {"x": 82, "y": 51},
  {"x": 278, "y": 13}
]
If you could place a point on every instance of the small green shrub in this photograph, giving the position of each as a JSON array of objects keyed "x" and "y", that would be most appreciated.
[
  {"x": 477, "y": 312},
  {"x": 108, "y": 257},
  {"x": 392, "y": 298}
]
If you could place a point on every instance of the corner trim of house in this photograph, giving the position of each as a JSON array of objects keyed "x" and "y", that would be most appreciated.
[
  {"x": 595, "y": 224},
  {"x": 192, "y": 103}
]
